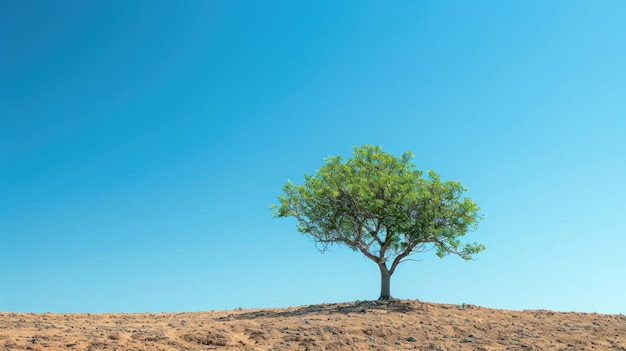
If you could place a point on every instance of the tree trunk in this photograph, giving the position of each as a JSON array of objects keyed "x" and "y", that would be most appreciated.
[{"x": 385, "y": 278}]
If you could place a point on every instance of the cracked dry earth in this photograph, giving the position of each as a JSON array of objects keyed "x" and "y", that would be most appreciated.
[{"x": 361, "y": 325}]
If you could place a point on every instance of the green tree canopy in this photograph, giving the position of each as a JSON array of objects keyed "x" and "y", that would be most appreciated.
[{"x": 382, "y": 206}]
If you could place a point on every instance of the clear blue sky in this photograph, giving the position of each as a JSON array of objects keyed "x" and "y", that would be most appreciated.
[{"x": 142, "y": 143}]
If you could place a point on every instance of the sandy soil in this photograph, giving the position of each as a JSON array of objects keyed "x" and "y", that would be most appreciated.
[{"x": 361, "y": 325}]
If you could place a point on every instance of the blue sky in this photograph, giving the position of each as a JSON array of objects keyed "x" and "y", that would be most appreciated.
[{"x": 142, "y": 143}]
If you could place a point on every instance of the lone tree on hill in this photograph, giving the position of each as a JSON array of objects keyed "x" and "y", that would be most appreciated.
[{"x": 379, "y": 204}]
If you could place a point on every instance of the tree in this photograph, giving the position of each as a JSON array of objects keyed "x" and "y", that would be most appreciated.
[{"x": 381, "y": 205}]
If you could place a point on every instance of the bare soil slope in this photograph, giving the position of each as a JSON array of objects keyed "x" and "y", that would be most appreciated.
[{"x": 361, "y": 325}]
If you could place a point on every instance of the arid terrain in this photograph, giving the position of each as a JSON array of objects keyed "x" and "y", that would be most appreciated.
[{"x": 361, "y": 325}]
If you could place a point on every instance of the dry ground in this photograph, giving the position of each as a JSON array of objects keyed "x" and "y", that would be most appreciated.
[{"x": 361, "y": 325}]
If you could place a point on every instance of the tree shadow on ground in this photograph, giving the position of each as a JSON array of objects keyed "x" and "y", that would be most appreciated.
[{"x": 392, "y": 305}]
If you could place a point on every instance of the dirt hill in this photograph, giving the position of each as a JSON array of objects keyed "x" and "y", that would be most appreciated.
[{"x": 361, "y": 325}]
